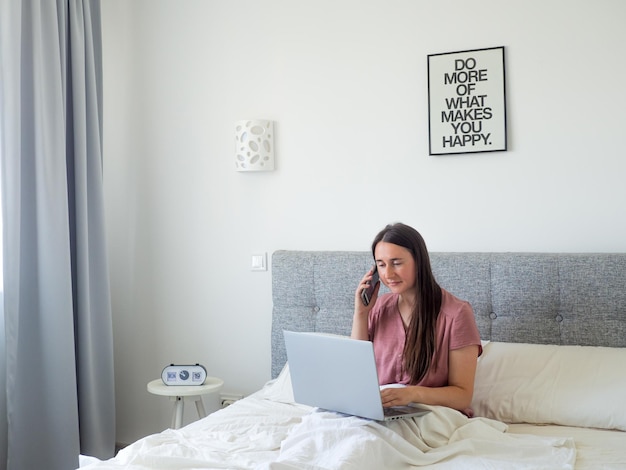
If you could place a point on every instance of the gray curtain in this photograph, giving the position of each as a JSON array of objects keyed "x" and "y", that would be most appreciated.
[{"x": 58, "y": 356}]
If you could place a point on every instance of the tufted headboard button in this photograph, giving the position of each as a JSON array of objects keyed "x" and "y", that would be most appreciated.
[
  {"x": 316, "y": 309},
  {"x": 559, "y": 318},
  {"x": 493, "y": 315}
]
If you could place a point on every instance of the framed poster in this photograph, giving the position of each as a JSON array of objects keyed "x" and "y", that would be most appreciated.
[{"x": 466, "y": 102}]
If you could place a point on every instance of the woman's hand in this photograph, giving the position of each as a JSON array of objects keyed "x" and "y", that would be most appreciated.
[
  {"x": 359, "y": 306},
  {"x": 397, "y": 396},
  {"x": 361, "y": 311}
]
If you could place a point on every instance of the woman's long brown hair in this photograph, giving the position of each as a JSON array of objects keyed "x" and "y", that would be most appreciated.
[{"x": 419, "y": 347}]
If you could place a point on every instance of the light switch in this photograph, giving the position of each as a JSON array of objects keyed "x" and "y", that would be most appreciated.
[{"x": 259, "y": 262}]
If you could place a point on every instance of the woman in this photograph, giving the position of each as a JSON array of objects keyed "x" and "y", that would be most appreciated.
[{"x": 424, "y": 337}]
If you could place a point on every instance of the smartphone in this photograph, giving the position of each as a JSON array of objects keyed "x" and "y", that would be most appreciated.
[{"x": 366, "y": 294}]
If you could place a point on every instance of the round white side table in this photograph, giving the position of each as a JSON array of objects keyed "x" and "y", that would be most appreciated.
[{"x": 181, "y": 393}]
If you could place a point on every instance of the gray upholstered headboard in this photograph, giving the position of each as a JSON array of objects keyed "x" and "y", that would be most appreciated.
[{"x": 548, "y": 298}]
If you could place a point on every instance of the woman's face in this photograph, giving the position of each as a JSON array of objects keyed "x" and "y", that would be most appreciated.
[{"x": 396, "y": 267}]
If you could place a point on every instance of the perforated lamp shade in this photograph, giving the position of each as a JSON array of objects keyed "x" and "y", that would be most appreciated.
[{"x": 254, "y": 141}]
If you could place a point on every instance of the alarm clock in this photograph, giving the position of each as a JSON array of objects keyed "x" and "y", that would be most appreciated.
[{"x": 183, "y": 374}]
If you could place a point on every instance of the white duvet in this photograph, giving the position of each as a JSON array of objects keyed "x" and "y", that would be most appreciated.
[
  {"x": 268, "y": 431},
  {"x": 441, "y": 439}
]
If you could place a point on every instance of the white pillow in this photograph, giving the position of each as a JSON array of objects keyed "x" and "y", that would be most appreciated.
[{"x": 580, "y": 386}]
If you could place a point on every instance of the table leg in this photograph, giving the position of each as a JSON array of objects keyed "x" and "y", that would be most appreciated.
[
  {"x": 200, "y": 407},
  {"x": 177, "y": 418}
]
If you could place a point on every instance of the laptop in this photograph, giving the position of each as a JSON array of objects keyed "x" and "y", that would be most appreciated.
[{"x": 339, "y": 374}]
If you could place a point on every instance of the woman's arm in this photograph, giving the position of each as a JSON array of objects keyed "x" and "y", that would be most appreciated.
[
  {"x": 457, "y": 394},
  {"x": 361, "y": 312}
]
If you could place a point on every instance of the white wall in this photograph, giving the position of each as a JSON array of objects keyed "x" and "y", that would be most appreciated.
[{"x": 345, "y": 82}]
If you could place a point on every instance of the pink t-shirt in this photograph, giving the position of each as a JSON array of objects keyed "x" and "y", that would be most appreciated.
[{"x": 456, "y": 328}]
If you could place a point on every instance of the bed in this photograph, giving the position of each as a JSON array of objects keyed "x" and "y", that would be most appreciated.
[{"x": 550, "y": 386}]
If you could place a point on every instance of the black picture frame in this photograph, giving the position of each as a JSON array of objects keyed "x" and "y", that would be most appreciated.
[{"x": 467, "y": 102}]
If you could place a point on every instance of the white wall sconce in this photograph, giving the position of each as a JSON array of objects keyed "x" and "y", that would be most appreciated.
[{"x": 255, "y": 145}]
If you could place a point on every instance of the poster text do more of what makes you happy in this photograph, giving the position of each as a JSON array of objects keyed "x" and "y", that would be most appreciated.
[{"x": 466, "y": 101}]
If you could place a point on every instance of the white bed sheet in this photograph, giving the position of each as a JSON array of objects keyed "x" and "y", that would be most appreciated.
[
  {"x": 246, "y": 435},
  {"x": 596, "y": 449},
  {"x": 267, "y": 431},
  {"x": 261, "y": 434}
]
